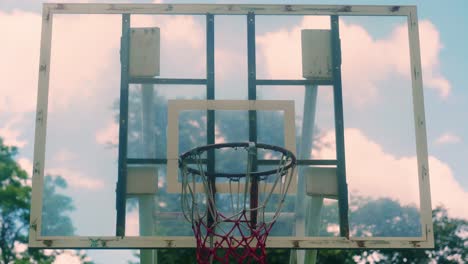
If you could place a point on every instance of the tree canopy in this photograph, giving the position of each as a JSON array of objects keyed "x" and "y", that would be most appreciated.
[{"x": 15, "y": 200}]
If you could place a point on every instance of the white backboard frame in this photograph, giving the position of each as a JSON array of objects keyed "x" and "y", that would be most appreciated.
[{"x": 426, "y": 240}]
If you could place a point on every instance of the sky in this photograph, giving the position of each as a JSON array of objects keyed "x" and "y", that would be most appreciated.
[{"x": 85, "y": 74}]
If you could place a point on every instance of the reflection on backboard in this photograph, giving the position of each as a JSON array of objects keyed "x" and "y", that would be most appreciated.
[{"x": 125, "y": 89}]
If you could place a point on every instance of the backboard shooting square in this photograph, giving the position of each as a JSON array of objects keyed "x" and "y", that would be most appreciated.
[{"x": 176, "y": 106}]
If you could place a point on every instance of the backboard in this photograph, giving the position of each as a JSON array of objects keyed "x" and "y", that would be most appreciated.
[{"x": 124, "y": 89}]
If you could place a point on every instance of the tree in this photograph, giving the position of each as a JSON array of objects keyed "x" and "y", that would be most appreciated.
[
  {"x": 15, "y": 199},
  {"x": 451, "y": 238},
  {"x": 14, "y": 203},
  {"x": 451, "y": 241},
  {"x": 56, "y": 222}
]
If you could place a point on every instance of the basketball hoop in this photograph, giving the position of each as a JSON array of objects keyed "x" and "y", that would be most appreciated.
[{"x": 237, "y": 231}]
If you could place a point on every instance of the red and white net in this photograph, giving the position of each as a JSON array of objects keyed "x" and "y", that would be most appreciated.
[{"x": 233, "y": 223}]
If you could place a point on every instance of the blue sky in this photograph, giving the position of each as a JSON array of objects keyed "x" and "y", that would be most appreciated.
[{"x": 445, "y": 89}]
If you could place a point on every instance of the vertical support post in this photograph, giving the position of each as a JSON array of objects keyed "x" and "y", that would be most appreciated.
[
  {"x": 307, "y": 208},
  {"x": 146, "y": 223},
  {"x": 313, "y": 216},
  {"x": 123, "y": 126},
  {"x": 252, "y": 76},
  {"x": 147, "y": 202},
  {"x": 339, "y": 127},
  {"x": 252, "y": 95},
  {"x": 210, "y": 95}
]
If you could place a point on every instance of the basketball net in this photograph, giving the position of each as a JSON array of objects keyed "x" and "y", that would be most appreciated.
[{"x": 233, "y": 226}]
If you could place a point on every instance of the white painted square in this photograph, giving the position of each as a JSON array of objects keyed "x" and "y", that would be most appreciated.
[{"x": 176, "y": 106}]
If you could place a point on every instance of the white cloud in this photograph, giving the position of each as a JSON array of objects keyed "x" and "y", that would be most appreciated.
[
  {"x": 108, "y": 135},
  {"x": 84, "y": 60},
  {"x": 82, "y": 43},
  {"x": 366, "y": 60},
  {"x": 334, "y": 229},
  {"x": 85, "y": 63},
  {"x": 20, "y": 60},
  {"x": 65, "y": 256},
  {"x": 431, "y": 45},
  {"x": 64, "y": 155},
  {"x": 219, "y": 138},
  {"x": 27, "y": 166},
  {"x": 69, "y": 257},
  {"x": 371, "y": 171},
  {"x": 448, "y": 138},
  {"x": 74, "y": 71},
  {"x": 19, "y": 248},
  {"x": 189, "y": 31},
  {"x": 132, "y": 225},
  {"x": 10, "y": 134},
  {"x": 230, "y": 62},
  {"x": 280, "y": 51},
  {"x": 76, "y": 179}
]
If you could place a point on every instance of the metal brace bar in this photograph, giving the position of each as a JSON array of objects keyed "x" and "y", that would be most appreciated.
[
  {"x": 339, "y": 128},
  {"x": 146, "y": 80},
  {"x": 294, "y": 82},
  {"x": 123, "y": 128}
]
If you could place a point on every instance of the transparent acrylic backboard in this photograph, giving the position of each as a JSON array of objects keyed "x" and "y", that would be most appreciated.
[{"x": 124, "y": 89}]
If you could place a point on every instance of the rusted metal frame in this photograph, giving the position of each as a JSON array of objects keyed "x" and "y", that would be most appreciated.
[
  {"x": 210, "y": 95},
  {"x": 38, "y": 241},
  {"x": 252, "y": 95},
  {"x": 304, "y": 162},
  {"x": 300, "y": 82},
  {"x": 167, "y": 81},
  {"x": 139, "y": 161},
  {"x": 316, "y": 162},
  {"x": 229, "y": 9},
  {"x": 121, "y": 201},
  {"x": 106, "y": 242},
  {"x": 339, "y": 128}
]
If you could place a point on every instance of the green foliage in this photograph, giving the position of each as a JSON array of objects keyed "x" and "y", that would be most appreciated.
[
  {"x": 450, "y": 246},
  {"x": 14, "y": 203},
  {"x": 451, "y": 238},
  {"x": 15, "y": 199},
  {"x": 377, "y": 217},
  {"x": 186, "y": 255},
  {"x": 336, "y": 256},
  {"x": 383, "y": 218},
  {"x": 56, "y": 222}
]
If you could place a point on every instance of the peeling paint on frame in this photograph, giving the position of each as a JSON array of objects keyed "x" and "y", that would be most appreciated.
[{"x": 49, "y": 9}]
